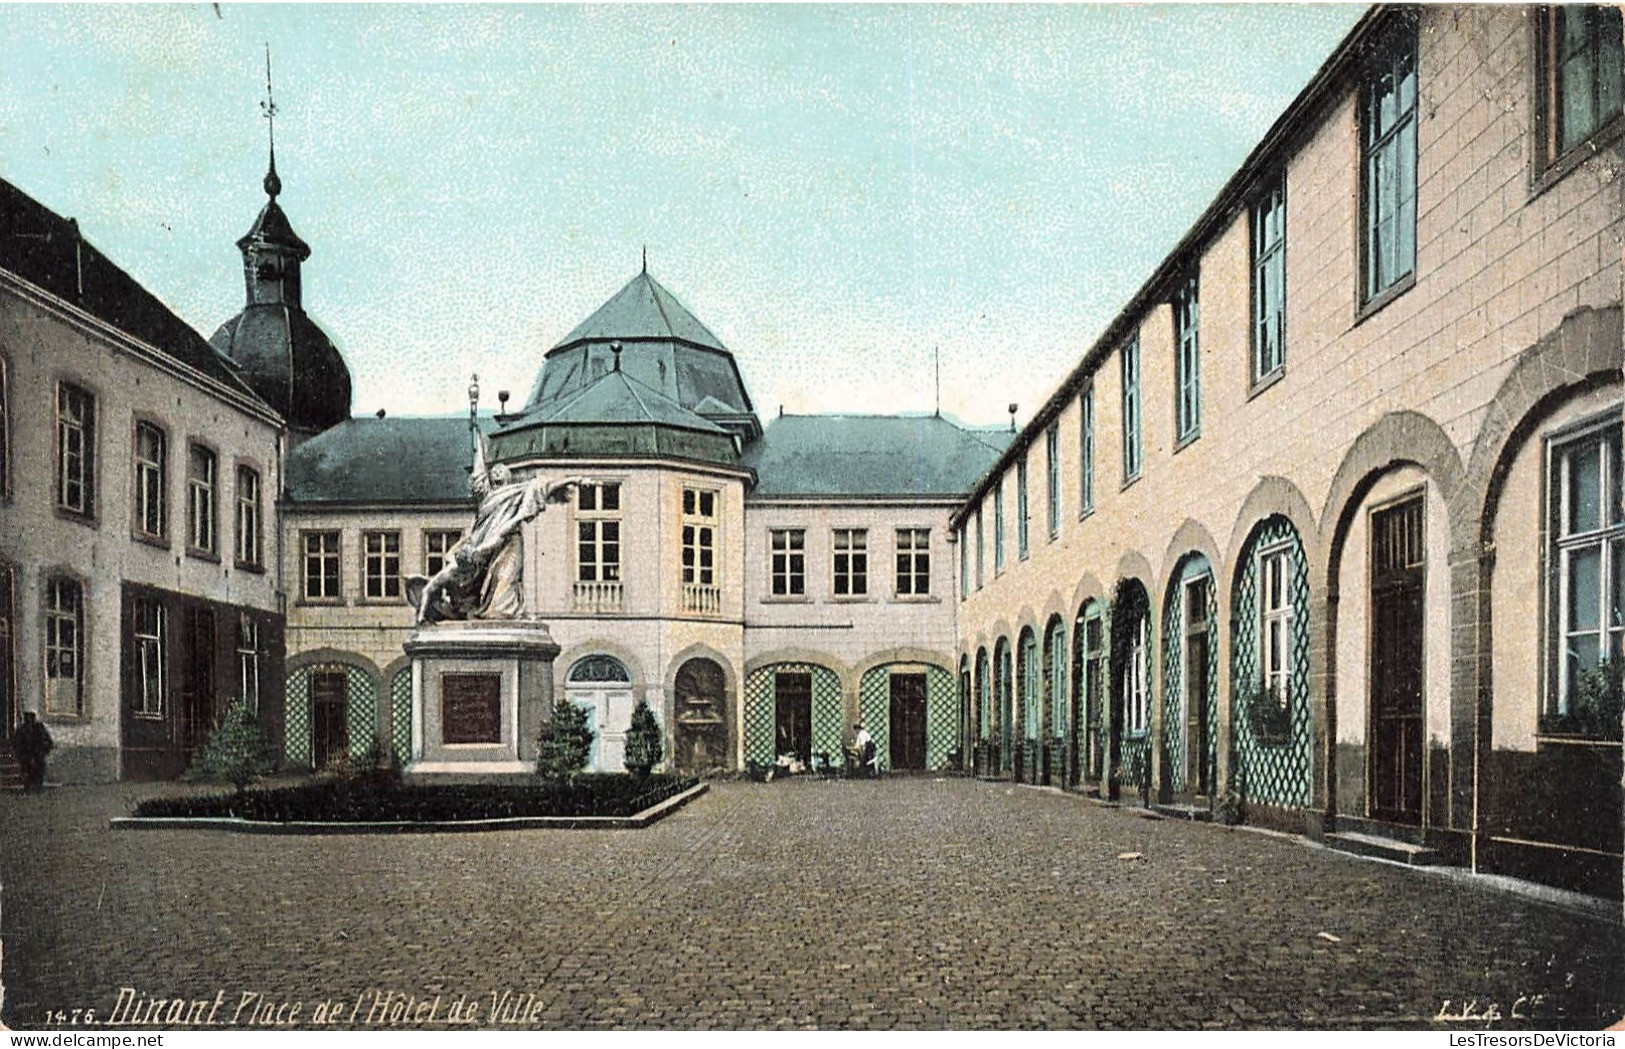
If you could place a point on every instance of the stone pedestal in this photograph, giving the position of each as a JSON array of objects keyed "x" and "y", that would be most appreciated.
[{"x": 480, "y": 693}]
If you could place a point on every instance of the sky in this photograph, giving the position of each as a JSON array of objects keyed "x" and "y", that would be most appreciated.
[{"x": 840, "y": 193}]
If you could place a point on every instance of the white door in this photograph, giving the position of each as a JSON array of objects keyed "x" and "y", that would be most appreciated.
[{"x": 609, "y": 715}]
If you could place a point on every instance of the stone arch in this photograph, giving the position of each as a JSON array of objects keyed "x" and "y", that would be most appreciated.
[
  {"x": 1003, "y": 677},
  {"x": 1089, "y": 588},
  {"x": 1133, "y": 565},
  {"x": 1584, "y": 353},
  {"x": 698, "y": 740},
  {"x": 361, "y": 697},
  {"x": 641, "y": 685},
  {"x": 901, "y": 654},
  {"x": 1056, "y": 721},
  {"x": 1273, "y": 760},
  {"x": 1187, "y": 752},
  {"x": 1132, "y": 683},
  {"x": 877, "y": 699},
  {"x": 1395, "y": 441},
  {"x": 797, "y": 654},
  {"x": 1191, "y": 537},
  {"x": 1273, "y": 496}
]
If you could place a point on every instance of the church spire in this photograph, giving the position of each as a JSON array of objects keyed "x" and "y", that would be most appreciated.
[{"x": 273, "y": 184}]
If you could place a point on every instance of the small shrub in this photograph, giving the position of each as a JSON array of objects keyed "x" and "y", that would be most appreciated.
[
  {"x": 1594, "y": 703},
  {"x": 643, "y": 743},
  {"x": 374, "y": 770},
  {"x": 1269, "y": 715},
  {"x": 565, "y": 742},
  {"x": 238, "y": 751}
]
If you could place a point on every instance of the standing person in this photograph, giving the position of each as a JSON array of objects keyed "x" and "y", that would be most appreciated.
[
  {"x": 863, "y": 748},
  {"x": 32, "y": 743}
]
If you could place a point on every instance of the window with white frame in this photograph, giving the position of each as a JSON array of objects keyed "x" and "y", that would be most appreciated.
[
  {"x": 1137, "y": 679},
  {"x": 1587, "y": 530},
  {"x": 1268, "y": 225},
  {"x": 913, "y": 561},
  {"x": 249, "y": 655},
  {"x": 1187, "y": 360},
  {"x": 202, "y": 534},
  {"x": 1133, "y": 454},
  {"x": 437, "y": 544},
  {"x": 1388, "y": 162},
  {"x": 321, "y": 557},
  {"x": 1275, "y": 623},
  {"x": 250, "y": 540},
  {"x": 75, "y": 450},
  {"x": 149, "y": 638},
  {"x": 699, "y": 537},
  {"x": 964, "y": 563},
  {"x": 64, "y": 646},
  {"x": 980, "y": 547},
  {"x": 1086, "y": 451},
  {"x": 151, "y": 517},
  {"x": 1021, "y": 506},
  {"x": 788, "y": 561},
  {"x": 598, "y": 533},
  {"x": 998, "y": 527},
  {"x": 1052, "y": 471},
  {"x": 850, "y": 547},
  {"x": 381, "y": 565}
]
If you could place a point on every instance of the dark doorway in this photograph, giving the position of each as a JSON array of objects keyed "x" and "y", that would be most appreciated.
[
  {"x": 1397, "y": 571},
  {"x": 197, "y": 681},
  {"x": 1199, "y": 771},
  {"x": 908, "y": 721},
  {"x": 8, "y": 664},
  {"x": 329, "y": 728},
  {"x": 792, "y": 698}
]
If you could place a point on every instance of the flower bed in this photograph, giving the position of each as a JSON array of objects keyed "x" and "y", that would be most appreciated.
[{"x": 338, "y": 801}]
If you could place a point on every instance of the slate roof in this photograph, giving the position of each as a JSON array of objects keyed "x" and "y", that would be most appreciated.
[
  {"x": 870, "y": 455},
  {"x": 47, "y": 250},
  {"x": 371, "y": 460},
  {"x": 662, "y": 346},
  {"x": 643, "y": 309},
  {"x": 617, "y": 398}
]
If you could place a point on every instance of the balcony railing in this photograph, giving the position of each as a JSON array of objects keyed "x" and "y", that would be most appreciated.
[
  {"x": 702, "y": 598},
  {"x": 599, "y": 596}
]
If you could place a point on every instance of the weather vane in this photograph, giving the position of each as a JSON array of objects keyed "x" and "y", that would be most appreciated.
[{"x": 273, "y": 185}]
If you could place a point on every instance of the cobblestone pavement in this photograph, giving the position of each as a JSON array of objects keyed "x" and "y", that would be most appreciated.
[{"x": 902, "y": 903}]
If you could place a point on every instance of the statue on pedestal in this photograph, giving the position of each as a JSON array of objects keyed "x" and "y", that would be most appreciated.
[{"x": 484, "y": 572}]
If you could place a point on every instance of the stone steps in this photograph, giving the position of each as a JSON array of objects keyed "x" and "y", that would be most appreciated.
[
  {"x": 1378, "y": 847},
  {"x": 1183, "y": 811},
  {"x": 11, "y": 774}
]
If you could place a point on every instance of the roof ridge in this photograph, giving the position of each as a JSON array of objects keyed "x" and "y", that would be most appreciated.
[{"x": 655, "y": 289}]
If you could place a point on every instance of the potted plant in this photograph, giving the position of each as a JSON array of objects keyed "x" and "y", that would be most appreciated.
[{"x": 1269, "y": 714}]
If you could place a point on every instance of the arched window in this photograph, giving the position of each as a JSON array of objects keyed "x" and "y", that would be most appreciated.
[{"x": 597, "y": 669}]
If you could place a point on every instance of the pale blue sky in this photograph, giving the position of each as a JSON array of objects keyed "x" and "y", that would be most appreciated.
[{"x": 833, "y": 190}]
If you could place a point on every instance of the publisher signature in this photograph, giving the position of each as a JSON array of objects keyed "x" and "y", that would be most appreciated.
[{"x": 1489, "y": 1011}]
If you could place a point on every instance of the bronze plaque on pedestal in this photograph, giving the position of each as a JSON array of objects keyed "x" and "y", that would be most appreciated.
[{"x": 471, "y": 708}]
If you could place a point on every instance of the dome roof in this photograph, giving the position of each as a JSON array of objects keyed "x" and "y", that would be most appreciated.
[
  {"x": 288, "y": 360},
  {"x": 663, "y": 347}
]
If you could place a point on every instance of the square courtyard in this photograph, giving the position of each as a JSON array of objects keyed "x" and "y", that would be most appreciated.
[{"x": 898, "y": 903}]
